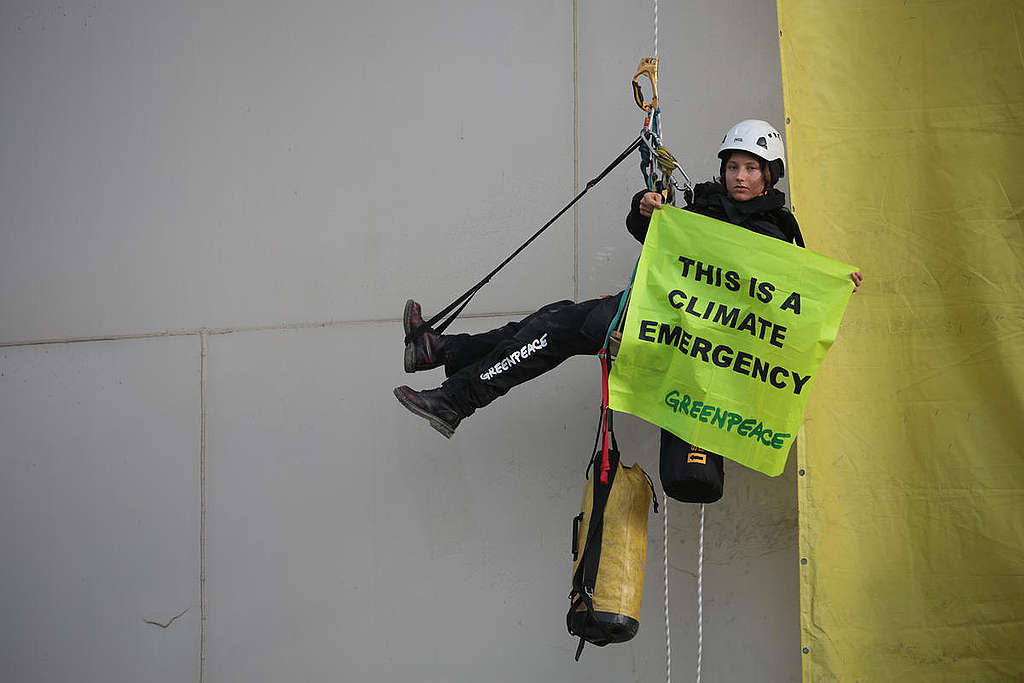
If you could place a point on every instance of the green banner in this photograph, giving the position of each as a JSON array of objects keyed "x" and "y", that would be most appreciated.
[{"x": 724, "y": 333}]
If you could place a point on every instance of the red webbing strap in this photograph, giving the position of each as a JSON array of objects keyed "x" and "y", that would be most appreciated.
[{"x": 606, "y": 465}]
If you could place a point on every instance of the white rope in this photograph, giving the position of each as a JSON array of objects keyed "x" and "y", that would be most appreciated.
[
  {"x": 668, "y": 637},
  {"x": 204, "y": 488},
  {"x": 655, "y": 29},
  {"x": 700, "y": 592}
]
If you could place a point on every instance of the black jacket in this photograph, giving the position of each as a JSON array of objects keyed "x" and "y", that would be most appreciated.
[{"x": 765, "y": 215}]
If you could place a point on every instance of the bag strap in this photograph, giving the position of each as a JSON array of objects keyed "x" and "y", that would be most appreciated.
[{"x": 606, "y": 423}]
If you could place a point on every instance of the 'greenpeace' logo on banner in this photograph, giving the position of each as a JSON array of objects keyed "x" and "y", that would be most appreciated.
[{"x": 748, "y": 427}]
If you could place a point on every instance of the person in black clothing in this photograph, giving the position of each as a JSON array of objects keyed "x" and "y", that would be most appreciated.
[{"x": 482, "y": 367}]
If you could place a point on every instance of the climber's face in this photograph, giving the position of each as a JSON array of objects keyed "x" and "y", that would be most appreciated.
[{"x": 744, "y": 178}]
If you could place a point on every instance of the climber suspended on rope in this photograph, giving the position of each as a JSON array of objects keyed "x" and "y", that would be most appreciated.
[{"x": 482, "y": 367}]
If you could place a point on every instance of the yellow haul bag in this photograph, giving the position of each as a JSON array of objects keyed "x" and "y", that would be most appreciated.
[{"x": 610, "y": 555}]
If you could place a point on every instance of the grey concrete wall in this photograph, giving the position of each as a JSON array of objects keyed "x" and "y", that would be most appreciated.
[{"x": 212, "y": 216}]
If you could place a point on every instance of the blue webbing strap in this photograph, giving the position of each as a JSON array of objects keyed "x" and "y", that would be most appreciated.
[{"x": 622, "y": 307}]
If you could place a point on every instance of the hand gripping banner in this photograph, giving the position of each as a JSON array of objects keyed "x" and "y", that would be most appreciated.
[{"x": 724, "y": 333}]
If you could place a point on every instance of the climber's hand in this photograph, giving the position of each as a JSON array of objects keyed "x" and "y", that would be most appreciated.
[
  {"x": 856, "y": 277},
  {"x": 649, "y": 203}
]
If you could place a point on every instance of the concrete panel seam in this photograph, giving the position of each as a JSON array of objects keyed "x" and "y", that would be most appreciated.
[{"x": 235, "y": 330}]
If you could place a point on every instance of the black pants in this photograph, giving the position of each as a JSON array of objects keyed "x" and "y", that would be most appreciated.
[{"x": 482, "y": 367}]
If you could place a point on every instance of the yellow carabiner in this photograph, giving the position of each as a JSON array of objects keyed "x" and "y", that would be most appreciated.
[{"x": 648, "y": 67}]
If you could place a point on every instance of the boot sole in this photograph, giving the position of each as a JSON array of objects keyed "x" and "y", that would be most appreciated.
[
  {"x": 410, "y": 348},
  {"x": 440, "y": 425},
  {"x": 406, "y": 325}
]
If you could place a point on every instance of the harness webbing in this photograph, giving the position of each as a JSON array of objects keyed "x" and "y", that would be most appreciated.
[{"x": 456, "y": 307}]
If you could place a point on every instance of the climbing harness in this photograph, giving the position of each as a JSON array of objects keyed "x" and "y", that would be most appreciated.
[{"x": 657, "y": 163}]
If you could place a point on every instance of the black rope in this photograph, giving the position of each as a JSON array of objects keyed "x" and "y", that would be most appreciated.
[{"x": 461, "y": 302}]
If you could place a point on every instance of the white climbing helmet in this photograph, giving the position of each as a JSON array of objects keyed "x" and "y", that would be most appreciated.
[{"x": 758, "y": 138}]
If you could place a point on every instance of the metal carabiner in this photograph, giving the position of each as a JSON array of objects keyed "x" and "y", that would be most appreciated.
[{"x": 648, "y": 67}]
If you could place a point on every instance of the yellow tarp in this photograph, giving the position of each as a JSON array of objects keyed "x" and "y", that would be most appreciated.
[{"x": 905, "y": 134}]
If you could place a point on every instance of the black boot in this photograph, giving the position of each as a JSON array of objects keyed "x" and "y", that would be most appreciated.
[
  {"x": 425, "y": 349},
  {"x": 434, "y": 405}
]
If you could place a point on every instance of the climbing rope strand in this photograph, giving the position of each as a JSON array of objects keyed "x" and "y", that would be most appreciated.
[
  {"x": 668, "y": 636},
  {"x": 700, "y": 592},
  {"x": 668, "y": 163},
  {"x": 655, "y": 29}
]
